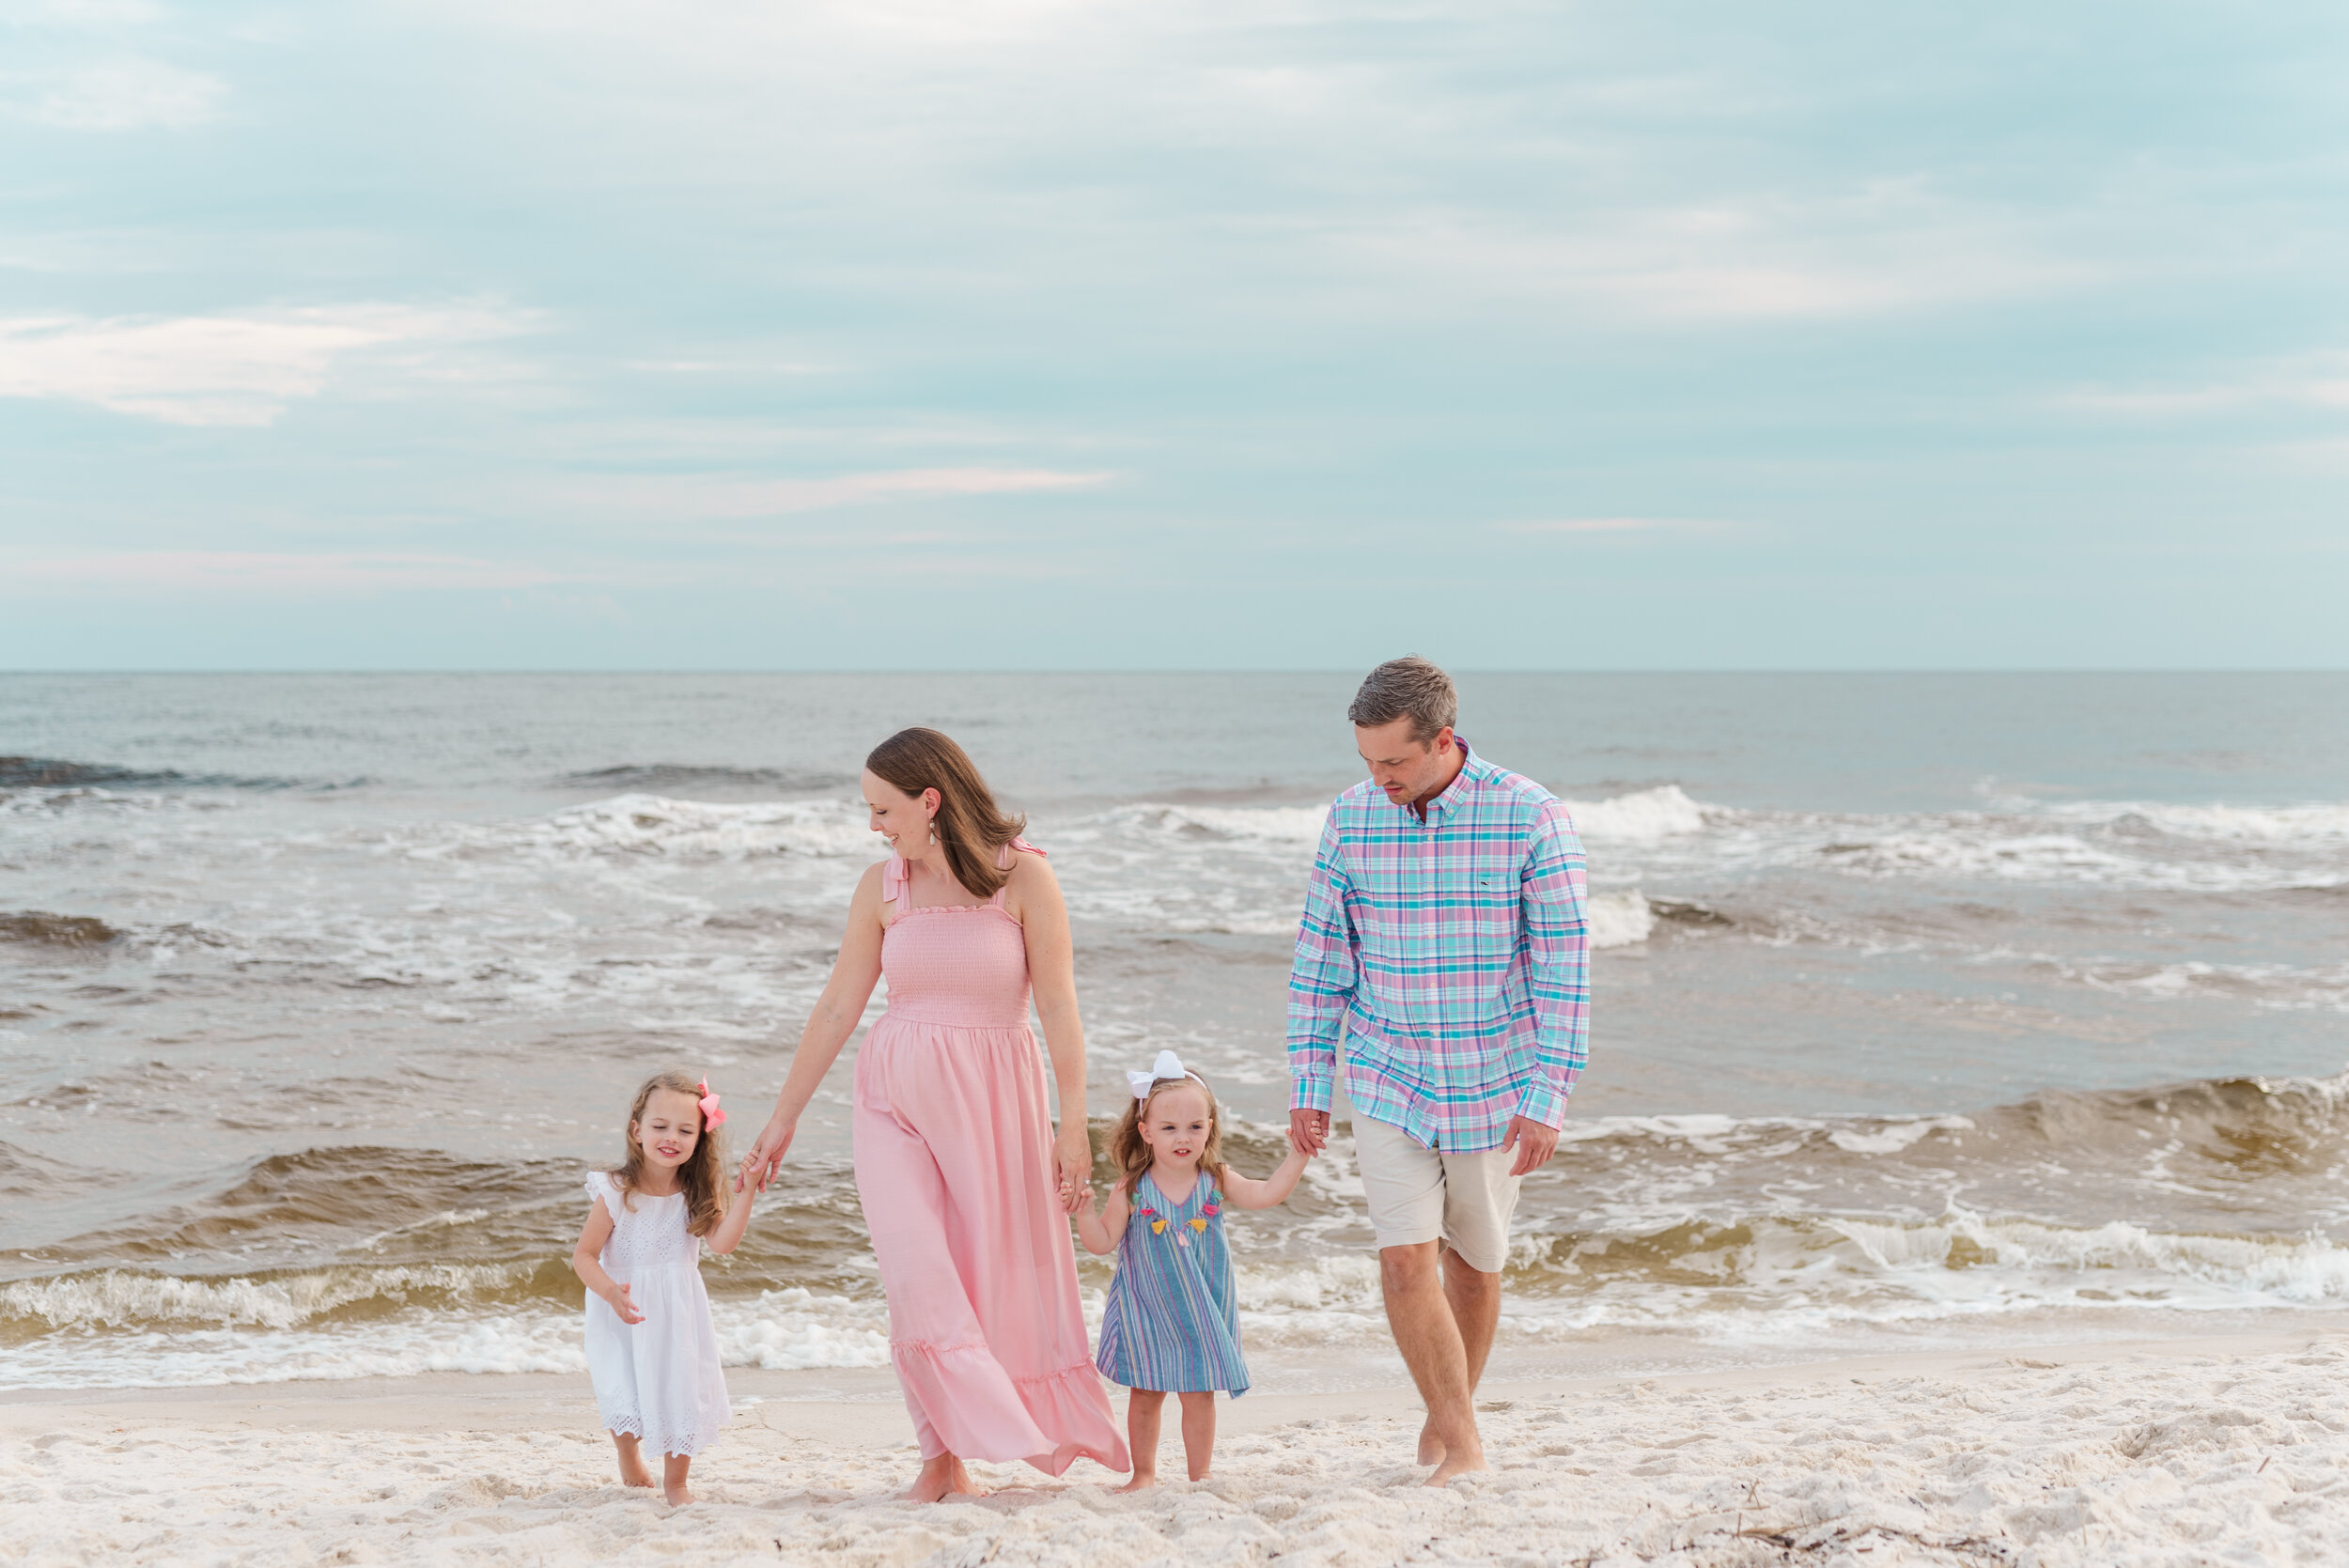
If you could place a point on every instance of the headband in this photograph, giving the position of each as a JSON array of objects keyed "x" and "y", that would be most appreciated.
[{"x": 1167, "y": 1066}]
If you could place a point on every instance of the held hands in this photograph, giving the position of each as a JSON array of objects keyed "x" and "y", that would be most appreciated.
[
  {"x": 618, "y": 1299},
  {"x": 1072, "y": 1172},
  {"x": 766, "y": 1156},
  {"x": 1309, "y": 1131},
  {"x": 1309, "y": 1134}
]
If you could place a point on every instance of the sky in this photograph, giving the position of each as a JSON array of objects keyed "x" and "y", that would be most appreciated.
[{"x": 1040, "y": 333}]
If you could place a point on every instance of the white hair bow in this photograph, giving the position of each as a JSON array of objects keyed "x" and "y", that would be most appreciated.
[{"x": 1167, "y": 1066}]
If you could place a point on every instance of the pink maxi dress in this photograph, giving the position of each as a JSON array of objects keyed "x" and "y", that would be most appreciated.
[{"x": 954, "y": 1165}]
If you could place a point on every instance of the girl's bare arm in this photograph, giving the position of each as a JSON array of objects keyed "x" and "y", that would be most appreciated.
[
  {"x": 727, "y": 1234},
  {"x": 1247, "y": 1193},
  {"x": 1099, "y": 1230},
  {"x": 587, "y": 1264}
]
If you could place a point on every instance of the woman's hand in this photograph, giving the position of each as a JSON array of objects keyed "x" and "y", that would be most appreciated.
[
  {"x": 758, "y": 1166},
  {"x": 1072, "y": 1162}
]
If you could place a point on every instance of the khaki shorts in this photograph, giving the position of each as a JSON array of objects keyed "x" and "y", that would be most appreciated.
[{"x": 1419, "y": 1195}]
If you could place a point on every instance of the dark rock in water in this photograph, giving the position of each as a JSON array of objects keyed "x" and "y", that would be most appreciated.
[
  {"x": 1681, "y": 913},
  {"x": 47, "y": 930},
  {"x": 51, "y": 773},
  {"x": 690, "y": 780}
]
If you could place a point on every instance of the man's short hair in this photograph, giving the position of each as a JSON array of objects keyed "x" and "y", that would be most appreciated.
[{"x": 1408, "y": 688}]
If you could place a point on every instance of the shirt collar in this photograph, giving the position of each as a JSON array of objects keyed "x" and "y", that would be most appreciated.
[{"x": 1448, "y": 796}]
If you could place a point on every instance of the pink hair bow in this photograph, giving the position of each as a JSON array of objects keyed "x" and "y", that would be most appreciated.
[{"x": 711, "y": 1116}]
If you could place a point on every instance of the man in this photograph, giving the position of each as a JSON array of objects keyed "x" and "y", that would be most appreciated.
[{"x": 1443, "y": 947}]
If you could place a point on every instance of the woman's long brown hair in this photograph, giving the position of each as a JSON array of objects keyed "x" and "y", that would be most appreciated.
[
  {"x": 1133, "y": 1156},
  {"x": 971, "y": 827},
  {"x": 702, "y": 1175}
]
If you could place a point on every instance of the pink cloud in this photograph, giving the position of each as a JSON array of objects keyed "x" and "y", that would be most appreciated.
[
  {"x": 704, "y": 496},
  {"x": 219, "y": 369}
]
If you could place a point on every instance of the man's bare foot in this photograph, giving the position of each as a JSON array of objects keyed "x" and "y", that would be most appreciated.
[
  {"x": 1139, "y": 1484},
  {"x": 680, "y": 1495},
  {"x": 1457, "y": 1465},
  {"x": 1430, "y": 1445},
  {"x": 941, "y": 1478}
]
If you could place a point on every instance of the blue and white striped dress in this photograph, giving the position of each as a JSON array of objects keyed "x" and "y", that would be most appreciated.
[{"x": 1173, "y": 1320}]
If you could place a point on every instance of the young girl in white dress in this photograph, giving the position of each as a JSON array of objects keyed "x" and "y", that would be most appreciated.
[{"x": 652, "y": 1350}]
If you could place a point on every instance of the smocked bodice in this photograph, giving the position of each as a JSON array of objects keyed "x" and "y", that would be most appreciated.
[
  {"x": 648, "y": 1233},
  {"x": 964, "y": 965}
]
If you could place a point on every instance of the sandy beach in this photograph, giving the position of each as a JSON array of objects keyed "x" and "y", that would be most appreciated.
[{"x": 2174, "y": 1452}]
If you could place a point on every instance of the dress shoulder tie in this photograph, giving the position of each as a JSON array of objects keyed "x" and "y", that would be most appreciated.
[{"x": 1003, "y": 863}]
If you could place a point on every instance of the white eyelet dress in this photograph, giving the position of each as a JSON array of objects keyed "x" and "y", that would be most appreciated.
[{"x": 657, "y": 1380}]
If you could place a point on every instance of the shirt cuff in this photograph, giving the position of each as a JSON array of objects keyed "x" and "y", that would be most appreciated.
[
  {"x": 1544, "y": 1104},
  {"x": 1310, "y": 1092}
]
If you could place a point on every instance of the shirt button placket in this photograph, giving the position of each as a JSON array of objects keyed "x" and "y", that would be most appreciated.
[{"x": 1431, "y": 892}]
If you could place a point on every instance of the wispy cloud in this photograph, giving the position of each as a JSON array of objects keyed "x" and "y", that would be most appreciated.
[
  {"x": 130, "y": 95},
  {"x": 215, "y": 369},
  {"x": 718, "y": 497},
  {"x": 251, "y": 571},
  {"x": 1601, "y": 525},
  {"x": 1872, "y": 252},
  {"x": 2308, "y": 381}
]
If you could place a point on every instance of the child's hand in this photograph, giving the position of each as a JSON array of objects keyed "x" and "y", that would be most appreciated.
[{"x": 622, "y": 1305}]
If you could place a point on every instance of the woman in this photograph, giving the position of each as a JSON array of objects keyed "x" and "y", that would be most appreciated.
[{"x": 966, "y": 1190}]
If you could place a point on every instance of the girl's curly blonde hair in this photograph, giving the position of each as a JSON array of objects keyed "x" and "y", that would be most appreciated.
[
  {"x": 702, "y": 1175},
  {"x": 1133, "y": 1156}
]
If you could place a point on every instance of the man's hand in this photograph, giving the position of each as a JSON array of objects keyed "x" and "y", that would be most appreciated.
[
  {"x": 1533, "y": 1143},
  {"x": 1309, "y": 1131}
]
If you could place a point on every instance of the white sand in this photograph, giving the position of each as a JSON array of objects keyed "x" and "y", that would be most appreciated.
[{"x": 2178, "y": 1453}]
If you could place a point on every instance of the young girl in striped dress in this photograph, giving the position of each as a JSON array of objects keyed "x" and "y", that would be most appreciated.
[{"x": 1172, "y": 1325}]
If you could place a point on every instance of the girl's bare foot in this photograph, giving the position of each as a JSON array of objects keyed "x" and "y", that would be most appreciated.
[
  {"x": 1140, "y": 1482},
  {"x": 941, "y": 1478},
  {"x": 633, "y": 1472},
  {"x": 673, "y": 1472},
  {"x": 678, "y": 1494}
]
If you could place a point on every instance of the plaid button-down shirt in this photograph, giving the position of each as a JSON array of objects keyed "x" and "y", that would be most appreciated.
[{"x": 1451, "y": 957}]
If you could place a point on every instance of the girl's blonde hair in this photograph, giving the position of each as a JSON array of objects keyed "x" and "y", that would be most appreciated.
[
  {"x": 1133, "y": 1156},
  {"x": 702, "y": 1175}
]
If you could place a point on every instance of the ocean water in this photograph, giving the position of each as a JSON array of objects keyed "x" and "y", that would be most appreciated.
[{"x": 1927, "y": 1009}]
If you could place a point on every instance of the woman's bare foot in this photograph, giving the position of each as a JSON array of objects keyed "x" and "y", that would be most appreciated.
[
  {"x": 1140, "y": 1482},
  {"x": 633, "y": 1472},
  {"x": 941, "y": 1478},
  {"x": 1430, "y": 1445}
]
